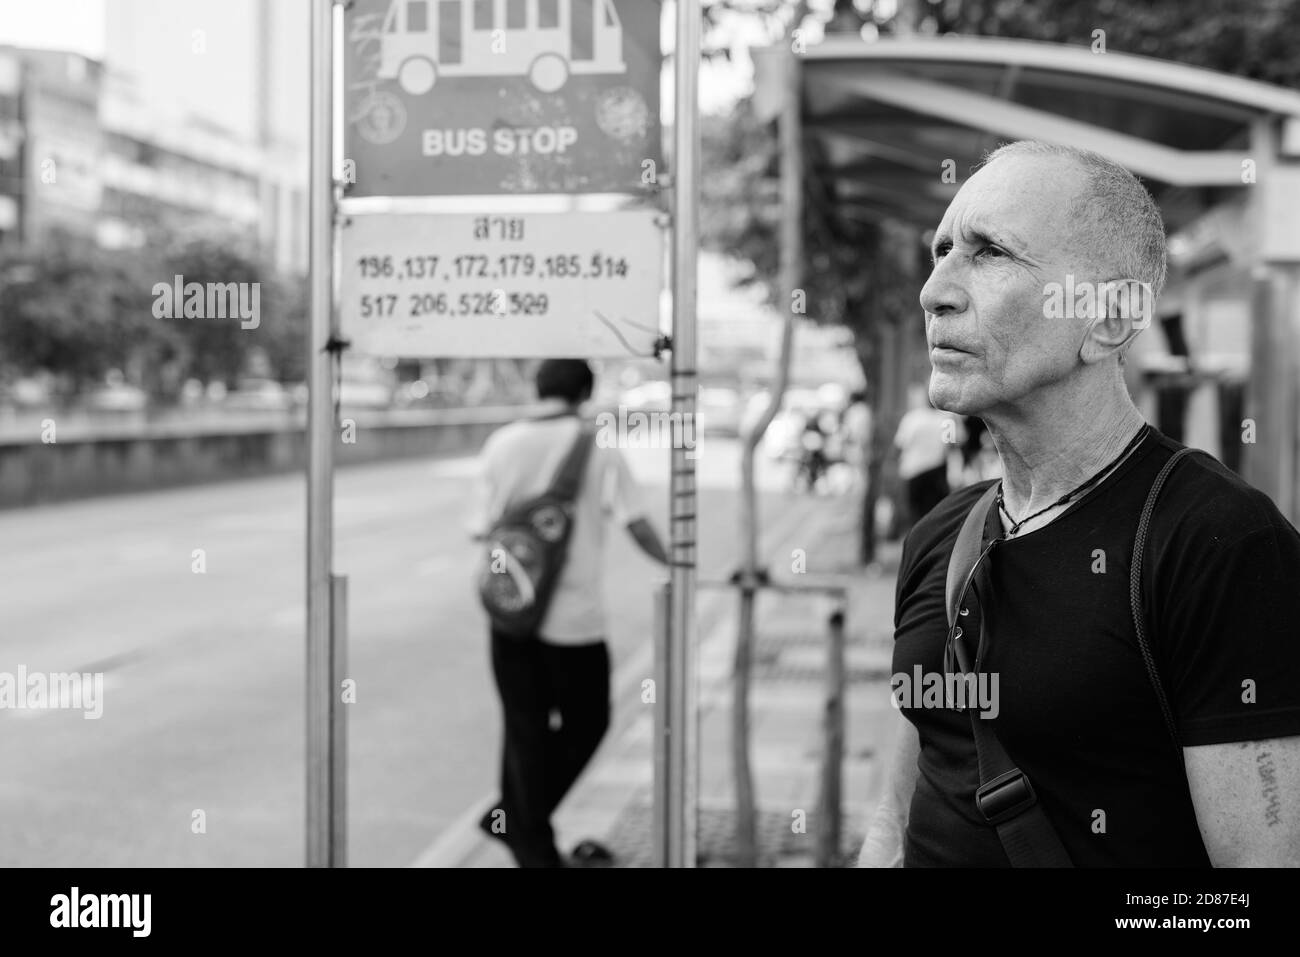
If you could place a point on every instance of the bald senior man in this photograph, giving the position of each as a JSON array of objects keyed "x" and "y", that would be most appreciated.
[{"x": 1081, "y": 748}]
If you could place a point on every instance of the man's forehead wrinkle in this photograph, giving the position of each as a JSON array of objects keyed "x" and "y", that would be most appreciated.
[
  {"x": 1038, "y": 194},
  {"x": 974, "y": 223}
]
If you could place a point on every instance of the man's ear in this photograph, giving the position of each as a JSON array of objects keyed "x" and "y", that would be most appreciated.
[{"x": 1123, "y": 309}]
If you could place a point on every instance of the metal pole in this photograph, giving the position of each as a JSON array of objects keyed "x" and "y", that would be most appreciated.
[
  {"x": 828, "y": 825},
  {"x": 321, "y": 787},
  {"x": 659, "y": 824},
  {"x": 683, "y": 714},
  {"x": 338, "y": 751}
]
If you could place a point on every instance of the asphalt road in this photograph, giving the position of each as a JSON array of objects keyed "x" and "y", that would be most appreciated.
[{"x": 198, "y": 757}]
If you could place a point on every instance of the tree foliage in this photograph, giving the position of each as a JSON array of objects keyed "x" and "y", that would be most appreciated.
[
  {"x": 71, "y": 309},
  {"x": 77, "y": 312},
  {"x": 1256, "y": 39}
]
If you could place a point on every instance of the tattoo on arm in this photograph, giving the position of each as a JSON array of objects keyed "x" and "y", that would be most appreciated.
[{"x": 1268, "y": 786}]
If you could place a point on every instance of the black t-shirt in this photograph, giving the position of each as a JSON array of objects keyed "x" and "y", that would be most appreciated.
[{"x": 1076, "y": 710}]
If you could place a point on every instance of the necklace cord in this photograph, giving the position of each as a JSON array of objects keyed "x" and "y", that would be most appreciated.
[{"x": 1015, "y": 526}]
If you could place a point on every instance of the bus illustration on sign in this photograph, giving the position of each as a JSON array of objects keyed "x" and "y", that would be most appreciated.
[{"x": 544, "y": 40}]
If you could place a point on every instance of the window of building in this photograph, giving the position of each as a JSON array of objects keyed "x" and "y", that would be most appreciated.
[
  {"x": 516, "y": 14},
  {"x": 417, "y": 16},
  {"x": 483, "y": 14},
  {"x": 548, "y": 14}
]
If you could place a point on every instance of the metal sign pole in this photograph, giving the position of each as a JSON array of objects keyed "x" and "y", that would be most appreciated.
[
  {"x": 324, "y": 830},
  {"x": 663, "y": 699},
  {"x": 682, "y": 725}
]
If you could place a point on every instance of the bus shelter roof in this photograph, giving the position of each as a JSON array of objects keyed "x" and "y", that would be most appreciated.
[{"x": 883, "y": 120}]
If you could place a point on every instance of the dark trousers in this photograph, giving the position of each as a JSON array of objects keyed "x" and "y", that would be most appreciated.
[
  {"x": 925, "y": 491},
  {"x": 555, "y": 704}
]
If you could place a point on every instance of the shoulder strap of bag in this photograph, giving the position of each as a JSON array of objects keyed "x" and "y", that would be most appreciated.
[
  {"x": 568, "y": 479},
  {"x": 1005, "y": 796},
  {"x": 1135, "y": 595},
  {"x": 966, "y": 550}
]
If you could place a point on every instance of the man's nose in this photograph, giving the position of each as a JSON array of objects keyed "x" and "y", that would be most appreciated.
[{"x": 942, "y": 294}]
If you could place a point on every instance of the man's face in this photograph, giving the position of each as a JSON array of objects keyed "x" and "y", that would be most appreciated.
[{"x": 1004, "y": 237}]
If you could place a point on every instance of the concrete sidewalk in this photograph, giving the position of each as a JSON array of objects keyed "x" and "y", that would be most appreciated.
[{"x": 611, "y": 802}]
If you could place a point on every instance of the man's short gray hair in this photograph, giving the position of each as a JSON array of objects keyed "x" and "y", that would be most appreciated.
[{"x": 1121, "y": 227}]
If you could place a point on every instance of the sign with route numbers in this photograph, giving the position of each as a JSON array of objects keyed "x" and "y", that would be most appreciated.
[
  {"x": 503, "y": 285},
  {"x": 456, "y": 97}
]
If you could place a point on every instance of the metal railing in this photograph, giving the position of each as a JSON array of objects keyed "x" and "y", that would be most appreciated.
[{"x": 829, "y": 823}]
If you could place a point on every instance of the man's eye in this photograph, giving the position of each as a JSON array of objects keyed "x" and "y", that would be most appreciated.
[
  {"x": 992, "y": 251},
  {"x": 942, "y": 250}
]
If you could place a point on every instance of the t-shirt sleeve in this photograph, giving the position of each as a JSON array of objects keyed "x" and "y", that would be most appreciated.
[
  {"x": 1228, "y": 631},
  {"x": 479, "y": 517},
  {"x": 623, "y": 495}
]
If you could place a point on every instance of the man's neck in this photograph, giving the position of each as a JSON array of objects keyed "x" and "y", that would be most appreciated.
[{"x": 1050, "y": 445}]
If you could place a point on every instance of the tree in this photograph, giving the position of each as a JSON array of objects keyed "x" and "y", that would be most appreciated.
[
  {"x": 218, "y": 349},
  {"x": 857, "y": 273},
  {"x": 78, "y": 311},
  {"x": 74, "y": 310},
  {"x": 1256, "y": 40}
]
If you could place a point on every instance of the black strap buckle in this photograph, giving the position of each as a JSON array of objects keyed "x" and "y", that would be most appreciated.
[{"x": 1006, "y": 796}]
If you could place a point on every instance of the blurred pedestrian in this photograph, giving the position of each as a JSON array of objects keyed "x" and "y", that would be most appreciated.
[
  {"x": 924, "y": 438},
  {"x": 855, "y": 427},
  {"x": 979, "y": 457},
  {"x": 813, "y": 459},
  {"x": 554, "y": 685}
]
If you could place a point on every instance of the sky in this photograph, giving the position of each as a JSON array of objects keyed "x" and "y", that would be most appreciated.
[{"x": 76, "y": 25}]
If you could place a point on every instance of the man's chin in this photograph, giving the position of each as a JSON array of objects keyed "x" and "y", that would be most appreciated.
[{"x": 947, "y": 395}]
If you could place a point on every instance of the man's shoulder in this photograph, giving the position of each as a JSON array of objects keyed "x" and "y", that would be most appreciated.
[
  {"x": 1205, "y": 500},
  {"x": 498, "y": 439},
  {"x": 524, "y": 434}
]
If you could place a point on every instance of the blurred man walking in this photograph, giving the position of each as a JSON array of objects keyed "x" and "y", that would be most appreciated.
[{"x": 554, "y": 685}]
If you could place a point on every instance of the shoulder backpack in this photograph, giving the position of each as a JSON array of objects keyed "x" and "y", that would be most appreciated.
[
  {"x": 1005, "y": 796},
  {"x": 527, "y": 547}
]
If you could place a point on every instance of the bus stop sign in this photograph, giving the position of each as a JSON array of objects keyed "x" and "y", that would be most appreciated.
[{"x": 487, "y": 97}]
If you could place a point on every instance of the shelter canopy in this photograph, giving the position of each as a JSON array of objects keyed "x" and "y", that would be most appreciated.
[{"x": 882, "y": 117}]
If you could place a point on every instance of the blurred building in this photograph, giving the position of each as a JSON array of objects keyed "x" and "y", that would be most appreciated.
[
  {"x": 225, "y": 74},
  {"x": 52, "y": 143},
  {"x": 194, "y": 123},
  {"x": 182, "y": 176},
  {"x": 11, "y": 145}
]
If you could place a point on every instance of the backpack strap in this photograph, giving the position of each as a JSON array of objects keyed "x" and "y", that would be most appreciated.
[
  {"x": 1135, "y": 595},
  {"x": 1005, "y": 796},
  {"x": 568, "y": 480}
]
